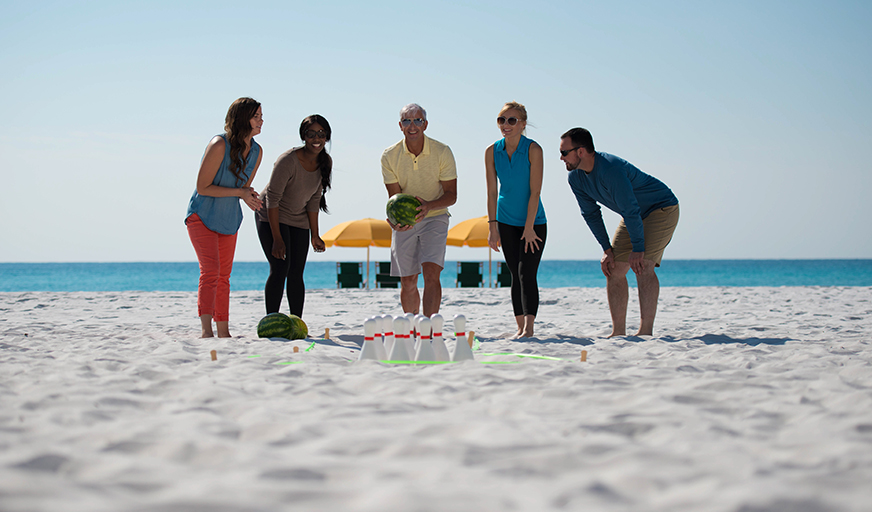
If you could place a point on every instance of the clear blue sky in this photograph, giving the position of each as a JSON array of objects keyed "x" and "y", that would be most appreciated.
[{"x": 756, "y": 114}]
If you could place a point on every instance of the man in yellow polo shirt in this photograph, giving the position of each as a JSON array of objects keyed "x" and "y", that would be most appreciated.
[{"x": 424, "y": 168}]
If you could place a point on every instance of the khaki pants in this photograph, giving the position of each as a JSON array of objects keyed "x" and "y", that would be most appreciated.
[{"x": 658, "y": 227}]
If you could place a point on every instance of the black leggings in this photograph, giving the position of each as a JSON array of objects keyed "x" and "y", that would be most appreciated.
[
  {"x": 524, "y": 267},
  {"x": 289, "y": 269}
]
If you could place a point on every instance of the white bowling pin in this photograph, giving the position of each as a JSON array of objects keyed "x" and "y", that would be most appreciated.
[
  {"x": 462, "y": 352},
  {"x": 378, "y": 326},
  {"x": 388, "y": 328},
  {"x": 439, "y": 348},
  {"x": 367, "y": 350},
  {"x": 400, "y": 351},
  {"x": 408, "y": 328},
  {"x": 410, "y": 317},
  {"x": 416, "y": 330},
  {"x": 378, "y": 339},
  {"x": 425, "y": 349}
]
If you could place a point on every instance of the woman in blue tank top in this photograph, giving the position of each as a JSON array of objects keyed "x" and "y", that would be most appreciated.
[
  {"x": 214, "y": 216},
  {"x": 514, "y": 169}
]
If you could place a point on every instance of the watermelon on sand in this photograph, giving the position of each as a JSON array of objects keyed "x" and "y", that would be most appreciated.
[
  {"x": 299, "y": 329},
  {"x": 275, "y": 325},
  {"x": 402, "y": 208}
]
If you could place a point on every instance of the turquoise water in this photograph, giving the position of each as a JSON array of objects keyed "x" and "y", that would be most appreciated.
[{"x": 182, "y": 276}]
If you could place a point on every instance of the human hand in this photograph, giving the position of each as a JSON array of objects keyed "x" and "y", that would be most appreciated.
[
  {"x": 278, "y": 249},
  {"x": 251, "y": 199},
  {"x": 493, "y": 236},
  {"x": 318, "y": 244},
  {"x": 636, "y": 259},
  {"x": 423, "y": 210},
  {"x": 530, "y": 239},
  {"x": 607, "y": 262},
  {"x": 398, "y": 227}
]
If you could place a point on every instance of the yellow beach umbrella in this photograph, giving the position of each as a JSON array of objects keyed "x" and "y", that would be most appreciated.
[
  {"x": 472, "y": 233},
  {"x": 360, "y": 233}
]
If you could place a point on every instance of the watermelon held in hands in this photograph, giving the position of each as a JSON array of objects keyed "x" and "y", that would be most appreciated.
[
  {"x": 275, "y": 325},
  {"x": 299, "y": 329},
  {"x": 402, "y": 209}
]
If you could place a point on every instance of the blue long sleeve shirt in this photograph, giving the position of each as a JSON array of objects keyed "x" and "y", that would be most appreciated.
[{"x": 623, "y": 188}]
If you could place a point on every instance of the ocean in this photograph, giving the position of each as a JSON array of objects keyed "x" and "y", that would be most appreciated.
[{"x": 182, "y": 276}]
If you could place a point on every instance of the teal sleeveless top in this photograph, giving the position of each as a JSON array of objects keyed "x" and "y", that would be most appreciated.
[
  {"x": 514, "y": 177},
  {"x": 223, "y": 214}
]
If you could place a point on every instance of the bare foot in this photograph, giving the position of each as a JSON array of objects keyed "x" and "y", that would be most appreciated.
[
  {"x": 615, "y": 334},
  {"x": 223, "y": 329},
  {"x": 206, "y": 326}
]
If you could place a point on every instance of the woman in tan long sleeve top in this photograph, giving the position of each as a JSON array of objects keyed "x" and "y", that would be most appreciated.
[{"x": 289, "y": 220}]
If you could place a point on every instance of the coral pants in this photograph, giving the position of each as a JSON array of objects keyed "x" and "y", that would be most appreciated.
[{"x": 215, "y": 254}]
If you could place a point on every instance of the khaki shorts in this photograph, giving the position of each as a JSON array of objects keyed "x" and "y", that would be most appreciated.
[
  {"x": 658, "y": 227},
  {"x": 424, "y": 243}
]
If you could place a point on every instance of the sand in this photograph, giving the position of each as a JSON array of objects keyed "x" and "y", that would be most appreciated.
[{"x": 746, "y": 399}]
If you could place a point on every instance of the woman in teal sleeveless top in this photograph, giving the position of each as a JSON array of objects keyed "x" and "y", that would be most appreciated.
[
  {"x": 214, "y": 216},
  {"x": 514, "y": 169}
]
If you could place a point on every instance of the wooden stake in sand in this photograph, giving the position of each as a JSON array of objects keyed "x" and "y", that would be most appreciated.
[
  {"x": 214, "y": 355},
  {"x": 327, "y": 333},
  {"x": 471, "y": 338},
  {"x": 583, "y": 356},
  {"x": 296, "y": 349}
]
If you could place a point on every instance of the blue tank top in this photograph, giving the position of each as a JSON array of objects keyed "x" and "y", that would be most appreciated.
[
  {"x": 514, "y": 177},
  {"x": 223, "y": 214}
]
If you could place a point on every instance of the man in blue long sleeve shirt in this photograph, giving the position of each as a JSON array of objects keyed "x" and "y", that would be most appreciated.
[{"x": 650, "y": 214}]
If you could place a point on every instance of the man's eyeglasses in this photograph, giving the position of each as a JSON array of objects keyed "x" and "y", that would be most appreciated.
[
  {"x": 564, "y": 152},
  {"x": 418, "y": 122},
  {"x": 511, "y": 120},
  {"x": 311, "y": 134}
]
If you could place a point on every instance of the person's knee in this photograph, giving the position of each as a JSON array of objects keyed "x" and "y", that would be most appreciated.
[
  {"x": 619, "y": 271},
  {"x": 209, "y": 279},
  {"x": 407, "y": 282},
  {"x": 648, "y": 267},
  {"x": 431, "y": 272}
]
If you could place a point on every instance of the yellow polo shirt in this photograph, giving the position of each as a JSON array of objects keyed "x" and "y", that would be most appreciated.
[{"x": 420, "y": 175}]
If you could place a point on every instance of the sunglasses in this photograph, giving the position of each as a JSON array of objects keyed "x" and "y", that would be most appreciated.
[
  {"x": 418, "y": 122},
  {"x": 564, "y": 152},
  {"x": 511, "y": 120},
  {"x": 311, "y": 134}
]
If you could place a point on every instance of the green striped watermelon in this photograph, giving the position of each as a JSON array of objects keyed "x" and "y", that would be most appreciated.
[
  {"x": 275, "y": 325},
  {"x": 402, "y": 208},
  {"x": 299, "y": 330}
]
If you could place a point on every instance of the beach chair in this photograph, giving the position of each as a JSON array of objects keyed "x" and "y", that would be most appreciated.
[
  {"x": 383, "y": 277},
  {"x": 504, "y": 276},
  {"x": 349, "y": 275},
  {"x": 469, "y": 274}
]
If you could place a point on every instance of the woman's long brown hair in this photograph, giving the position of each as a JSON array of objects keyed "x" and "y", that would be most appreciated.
[{"x": 237, "y": 126}]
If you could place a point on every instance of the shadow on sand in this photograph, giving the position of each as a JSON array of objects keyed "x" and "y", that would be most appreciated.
[{"x": 719, "y": 339}]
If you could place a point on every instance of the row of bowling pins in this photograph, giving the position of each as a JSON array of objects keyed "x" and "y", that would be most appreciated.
[{"x": 389, "y": 338}]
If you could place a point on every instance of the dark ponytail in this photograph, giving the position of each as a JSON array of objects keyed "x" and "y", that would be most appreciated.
[{"x": 325, "y": 163}]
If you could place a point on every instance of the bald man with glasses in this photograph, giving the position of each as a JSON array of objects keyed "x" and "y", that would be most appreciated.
[{"x": 425, "y": 168}]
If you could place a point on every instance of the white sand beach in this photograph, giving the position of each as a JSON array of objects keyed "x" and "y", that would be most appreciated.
[{"x": 745, "y": 400}]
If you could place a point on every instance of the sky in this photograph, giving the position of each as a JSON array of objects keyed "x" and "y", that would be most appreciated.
[{"x": 754, "y": 113}]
